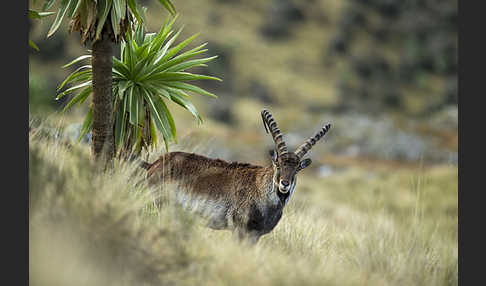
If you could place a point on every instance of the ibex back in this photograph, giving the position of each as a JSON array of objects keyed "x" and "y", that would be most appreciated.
[{"x": 245, "y": 198}]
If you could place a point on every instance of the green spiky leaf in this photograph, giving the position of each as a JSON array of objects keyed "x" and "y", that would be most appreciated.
[{"x": 152, "y": 71}]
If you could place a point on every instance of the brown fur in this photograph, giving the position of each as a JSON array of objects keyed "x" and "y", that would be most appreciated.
[
  {"x": 244, "y": 189},
  {"x": 246, "y": 198},
  {"x": 205, "y": 175}
]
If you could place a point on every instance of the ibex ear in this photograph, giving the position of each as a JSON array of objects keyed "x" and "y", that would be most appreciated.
[{"x": 304, "y": 164}]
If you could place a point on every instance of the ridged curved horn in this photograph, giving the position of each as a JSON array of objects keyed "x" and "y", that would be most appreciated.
[
  {"x": 269, "y": 122},
  {"x": 304, "y": 148}
]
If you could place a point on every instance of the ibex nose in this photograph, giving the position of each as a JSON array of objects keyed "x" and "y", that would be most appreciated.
[{"x": 285, "y": 183}]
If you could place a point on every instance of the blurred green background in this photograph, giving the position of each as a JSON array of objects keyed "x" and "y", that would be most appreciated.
[{"x": 383, "y": 72}]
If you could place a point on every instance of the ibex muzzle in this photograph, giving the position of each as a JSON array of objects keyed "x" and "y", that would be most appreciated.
[{"x": 245, "y": 198}]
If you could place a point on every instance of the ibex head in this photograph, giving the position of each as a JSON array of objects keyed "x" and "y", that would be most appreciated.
[{"x": 287, "y": 164}]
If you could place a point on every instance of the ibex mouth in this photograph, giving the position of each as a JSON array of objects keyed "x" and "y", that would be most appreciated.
[{"x": 284, "y": 189}]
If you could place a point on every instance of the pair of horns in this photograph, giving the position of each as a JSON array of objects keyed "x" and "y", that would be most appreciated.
[{"x": 280, "y": 145}]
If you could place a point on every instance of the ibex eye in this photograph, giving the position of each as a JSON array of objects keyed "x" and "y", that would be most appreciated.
[{"x": 305, "y": 163}]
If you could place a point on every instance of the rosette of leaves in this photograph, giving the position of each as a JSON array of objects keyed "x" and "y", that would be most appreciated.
[{"x": 151, "y": 71}]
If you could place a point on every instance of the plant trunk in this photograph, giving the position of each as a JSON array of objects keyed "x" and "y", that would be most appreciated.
[{"x": 102, "y": 146}]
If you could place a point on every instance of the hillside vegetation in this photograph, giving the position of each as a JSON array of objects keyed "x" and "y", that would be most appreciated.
[
  {"x": 354, "y": 228},
  {"x": 378, "y": 205}
]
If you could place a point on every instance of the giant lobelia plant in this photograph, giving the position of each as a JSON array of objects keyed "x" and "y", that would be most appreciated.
[
  {"x": 151, "y": 71},
  {"x": 101, "y": 23}
]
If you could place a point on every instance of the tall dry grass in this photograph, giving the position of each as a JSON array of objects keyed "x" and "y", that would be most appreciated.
[{"x": 353, "y": 228}]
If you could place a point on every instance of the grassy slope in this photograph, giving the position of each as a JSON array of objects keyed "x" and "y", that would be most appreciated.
[
  {"x": 353, "y": 228},
  {"x": 291, "y": 68},
  {"x": 368, "y": 225}
]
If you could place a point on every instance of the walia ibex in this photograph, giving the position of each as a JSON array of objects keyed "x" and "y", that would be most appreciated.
[{"x": 245, "y": 198}]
